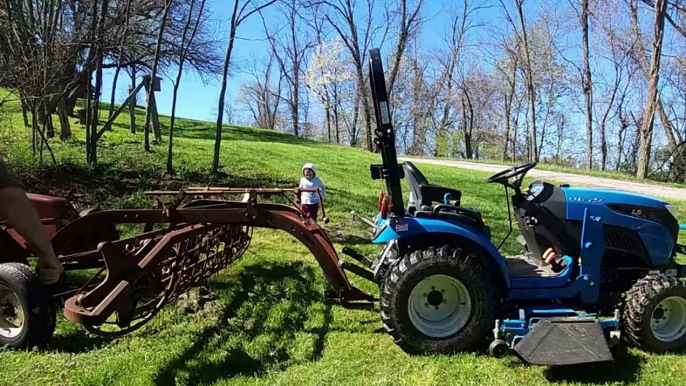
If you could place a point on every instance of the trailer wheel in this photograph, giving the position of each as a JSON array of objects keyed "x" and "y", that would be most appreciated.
[
  {"x": 654, "y": 315},
  {"x": 437, "y": 301},
  {"x": 27, "y": 312}
]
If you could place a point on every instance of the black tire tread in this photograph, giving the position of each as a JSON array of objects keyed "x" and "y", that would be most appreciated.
[
  {"x": 468, "y": 262},
  {"x": 636, "y": 304},
  {"x": 41, "y": 312}
]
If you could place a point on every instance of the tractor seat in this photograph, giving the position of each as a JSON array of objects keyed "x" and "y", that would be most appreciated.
[
  {"x": 468, "y": 216},
  {"x": 422, "y": 193}
]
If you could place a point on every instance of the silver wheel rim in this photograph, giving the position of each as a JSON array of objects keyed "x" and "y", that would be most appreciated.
[
  {"x": 11, "y": 313},
  {"x": 439, "y": 306},
  {"x": 668, "y": 321}
]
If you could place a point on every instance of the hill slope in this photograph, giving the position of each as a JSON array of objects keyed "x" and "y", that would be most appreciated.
[{"x": 266, "y": 321}]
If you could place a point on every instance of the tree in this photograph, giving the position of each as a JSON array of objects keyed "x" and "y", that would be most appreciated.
[
  {"x": 186, "y": 42},
  {"x": 153, "y": 75},
  {"x": 588, "y": 88},
  {"x": 259, "y": 96},
  {"x": 456, "y": 36},
  {"x": 327, "y": 73},
  {"x": 290, "y": 50},
  {"x": 92, "y": 154},
  {"x": 120, "y": 54},
  {"x": 646, "y": 130},
  {"x": 407, "y": 28},
  {"x": 239, "y": 14},
  {"x": 522, "y": 36},
  {"x": 341, "y": 16}
]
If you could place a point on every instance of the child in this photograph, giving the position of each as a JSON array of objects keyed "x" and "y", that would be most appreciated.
[{"x": 310, "y": 200}]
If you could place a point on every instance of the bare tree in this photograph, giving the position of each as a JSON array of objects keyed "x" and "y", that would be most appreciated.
[
  {"x": 259, "y": 96},
  {"x": 456, "y": 35},
  {"x": 646, "y": 130},
  {"x": 153, "y": 75},
  {"x": 120, "y": 55},
  {"x": 408, "y": 26},
  {"x": 588, "y": 88},
  {"x": 290, "y": 50},
  {"x": 242, "y": 9},
  {"x": 522, "y": 36},
  {"x": 185, "y": 43},
  {"x": 342, "y": 17}
]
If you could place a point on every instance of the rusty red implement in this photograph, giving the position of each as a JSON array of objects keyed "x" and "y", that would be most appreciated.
[{"x": 182, "y": 244}]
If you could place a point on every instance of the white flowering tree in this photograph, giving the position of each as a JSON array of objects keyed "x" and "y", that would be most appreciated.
[{"x": 329, "y": 77}]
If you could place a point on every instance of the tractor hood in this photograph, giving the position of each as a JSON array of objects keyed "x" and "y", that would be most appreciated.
[
  {"x": 653, "y": 220},
  {"x": 611, "y": 196}
]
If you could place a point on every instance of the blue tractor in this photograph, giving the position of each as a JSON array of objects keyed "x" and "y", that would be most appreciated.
[{"x": 598, "y": 265}]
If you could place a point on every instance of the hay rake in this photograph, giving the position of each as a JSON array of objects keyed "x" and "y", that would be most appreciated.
[{"x": 199, "y": 238}]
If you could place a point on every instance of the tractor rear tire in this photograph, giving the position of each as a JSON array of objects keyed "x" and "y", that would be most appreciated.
[
  {"x": 438, "y": 301},
  {"x": 654, "y": 315},
  {"x": 27, "y": 312}
]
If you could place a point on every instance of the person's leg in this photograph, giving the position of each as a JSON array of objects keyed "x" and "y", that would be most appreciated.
[{"x": 310, "y": 210}]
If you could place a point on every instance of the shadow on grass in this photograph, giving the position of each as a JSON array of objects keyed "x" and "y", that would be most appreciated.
[
  {"x": 625, "y": 370},
  {"x": 77, "y": 342},
  {"x": 256, "y": 331},
  {"x": 85, "y": 187},
  {"x": 184, "y": 128}
]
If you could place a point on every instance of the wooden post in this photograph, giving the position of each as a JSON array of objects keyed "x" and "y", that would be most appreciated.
[{"x": 129, "y": 100}]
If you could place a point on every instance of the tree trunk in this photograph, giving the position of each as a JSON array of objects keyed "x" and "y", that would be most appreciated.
[
  {"x": 646, "y": 131},
  {"x": 119, "y": 55},
  {"x": 620, "y": 143},
  {"x": 366, "y": 111},
  {"x": 507, "y": 126},
  {"x": 327, "y": 111},
  {"x": 531, "y": 93},
  {"x": 133, "y": 103},
  {"x": 587, "y": 86},
  {"x": 182, "y": 59},
  {"x": 153, "y": 74},
  {"x": 65, "y": 126},
  {"x": 93, "y": 160},
  {"x": 222, "y": 91},
  {"x": 24, "y": 112},
  {"x": 49, "y": 127}
]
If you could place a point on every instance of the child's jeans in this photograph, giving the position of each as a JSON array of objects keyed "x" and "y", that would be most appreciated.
[{"x": 310, "y": 210}]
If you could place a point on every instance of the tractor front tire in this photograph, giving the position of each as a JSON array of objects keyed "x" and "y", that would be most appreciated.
[
  {"x": 27, "y": 311},
  {"x": 654, "y": 315},
  {"x": 438, "y": 301}
]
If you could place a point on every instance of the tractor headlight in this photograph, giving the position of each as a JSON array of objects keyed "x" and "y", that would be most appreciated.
[{"x": 674, "y": 210}]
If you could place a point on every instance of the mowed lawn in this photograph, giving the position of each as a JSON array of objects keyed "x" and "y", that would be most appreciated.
[{"x": 264, "y": 320}]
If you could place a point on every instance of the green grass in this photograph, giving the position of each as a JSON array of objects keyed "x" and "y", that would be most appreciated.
[{"x": 266, "y": 321}]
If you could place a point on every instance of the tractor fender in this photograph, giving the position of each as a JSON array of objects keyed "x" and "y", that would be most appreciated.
[{"x": 411, "y": 227}]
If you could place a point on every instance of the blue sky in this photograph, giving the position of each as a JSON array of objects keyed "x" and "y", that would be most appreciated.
[{"x": 199, "y": 101}]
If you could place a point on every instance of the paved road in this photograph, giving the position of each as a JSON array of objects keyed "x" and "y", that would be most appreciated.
[{"x": 666, "y": 192}]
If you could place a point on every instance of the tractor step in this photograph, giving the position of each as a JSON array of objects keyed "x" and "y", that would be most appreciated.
[{"x": 564, "y": 341}]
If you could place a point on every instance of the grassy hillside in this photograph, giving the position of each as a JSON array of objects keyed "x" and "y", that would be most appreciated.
[{"x": 265, "y": 321}]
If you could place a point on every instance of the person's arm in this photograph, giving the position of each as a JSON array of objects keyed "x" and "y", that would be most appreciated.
[{"x": 17, "y": 210}]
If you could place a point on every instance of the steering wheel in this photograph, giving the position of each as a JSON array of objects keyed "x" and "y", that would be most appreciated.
[{"x": 505, "y": 175}]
